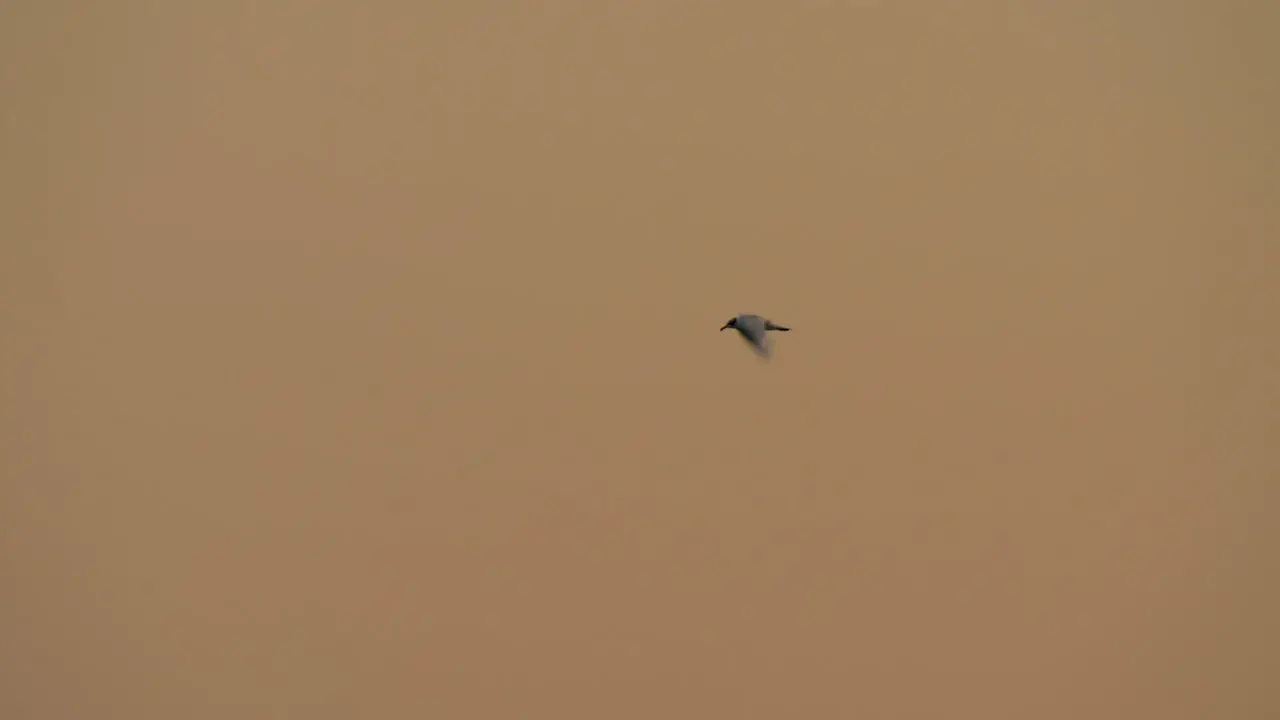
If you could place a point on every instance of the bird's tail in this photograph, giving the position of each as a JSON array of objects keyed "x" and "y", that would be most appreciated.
[{"x": 771, "y": 326}]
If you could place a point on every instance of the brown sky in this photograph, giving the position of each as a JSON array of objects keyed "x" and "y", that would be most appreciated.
[{"x": 362, "y": 360}]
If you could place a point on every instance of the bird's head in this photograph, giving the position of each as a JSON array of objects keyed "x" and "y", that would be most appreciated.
[{"x": 733, "y": 322}]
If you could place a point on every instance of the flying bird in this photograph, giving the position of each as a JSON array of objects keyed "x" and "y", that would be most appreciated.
[{"x": 753, "y": 329}]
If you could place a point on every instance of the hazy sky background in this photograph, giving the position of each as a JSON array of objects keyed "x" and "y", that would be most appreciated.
[{"x": 362, "y": 360}]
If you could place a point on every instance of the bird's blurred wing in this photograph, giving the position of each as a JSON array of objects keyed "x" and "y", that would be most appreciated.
[{"x": 755, "y": 337}]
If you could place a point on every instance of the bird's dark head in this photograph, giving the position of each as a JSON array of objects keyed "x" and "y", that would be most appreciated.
[{"x": 733, "y": 322}]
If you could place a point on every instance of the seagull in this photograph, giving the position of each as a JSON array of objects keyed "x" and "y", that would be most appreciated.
[{"x": 753, "y": 329}]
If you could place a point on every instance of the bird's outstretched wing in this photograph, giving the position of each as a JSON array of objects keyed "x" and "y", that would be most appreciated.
[{"x": 755, "y": 337}]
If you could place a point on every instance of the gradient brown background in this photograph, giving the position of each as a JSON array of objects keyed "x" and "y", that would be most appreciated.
[{"x": 362, "y": 360}]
